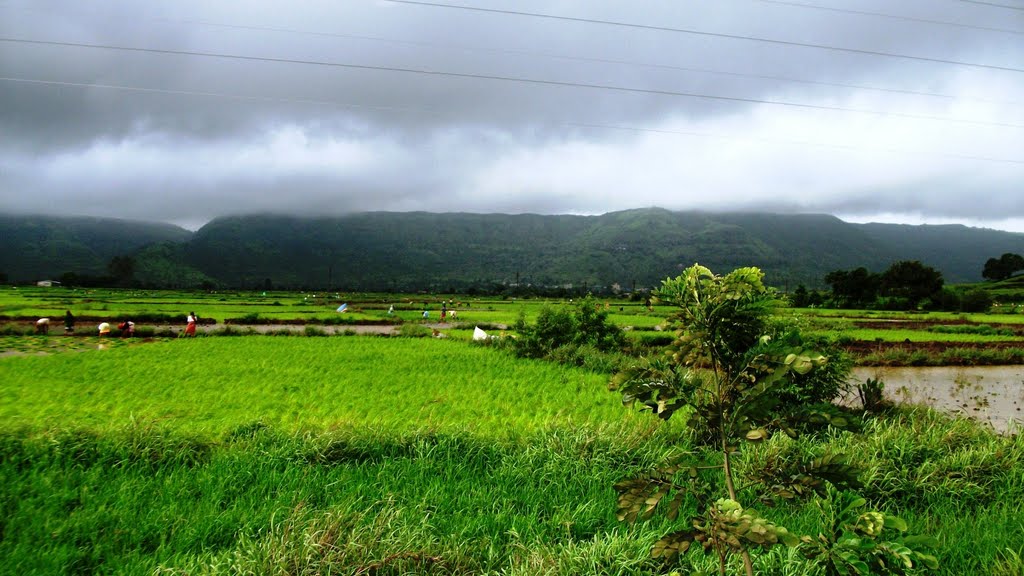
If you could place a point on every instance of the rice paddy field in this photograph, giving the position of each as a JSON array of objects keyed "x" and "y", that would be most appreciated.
[
  {"x": 373, "y": 455},
  {"x": 24, "y": 303}
]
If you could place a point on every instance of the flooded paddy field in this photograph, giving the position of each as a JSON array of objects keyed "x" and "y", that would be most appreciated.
[{"x": 989, "y": 394}]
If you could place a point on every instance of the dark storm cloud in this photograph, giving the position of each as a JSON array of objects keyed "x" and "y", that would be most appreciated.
[{"x": 165, "y": 135}]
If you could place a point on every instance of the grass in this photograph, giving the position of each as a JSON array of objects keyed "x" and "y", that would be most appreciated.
[
  {"x": 263, "y": 455},
  {"x": 954, "y": 356},
  {"x": 267, "y": 503},
  {"x": 213, "y": 384},
  {"x": 169, "y": 306},
  {"x": 257, "y": 455}
]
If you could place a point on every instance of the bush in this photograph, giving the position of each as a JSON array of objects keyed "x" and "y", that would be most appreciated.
[
  {"x": 589, "y": 357},
  {"x": 555, "y": 328}
]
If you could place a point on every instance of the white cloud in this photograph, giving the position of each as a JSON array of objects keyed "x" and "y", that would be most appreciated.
[{"x": 402, "y": 141}]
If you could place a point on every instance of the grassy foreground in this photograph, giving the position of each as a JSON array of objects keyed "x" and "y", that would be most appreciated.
[{"x": 257, "y": 455}]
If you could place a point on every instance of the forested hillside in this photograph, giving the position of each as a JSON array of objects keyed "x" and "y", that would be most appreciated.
[
  {"x": 45, "y": 247},
  {"x": 407, "y": 251},
  {"x": 455, "y": 251}
]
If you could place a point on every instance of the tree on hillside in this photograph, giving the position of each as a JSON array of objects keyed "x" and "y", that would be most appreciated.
[
  {"x": 1003, "y": 267},
  {"x": 122, "y": 270},
  {"x": 910, "y": 281}
]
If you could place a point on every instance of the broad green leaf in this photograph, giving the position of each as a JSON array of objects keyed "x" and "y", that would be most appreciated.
[{"x": 896, "y": 523}]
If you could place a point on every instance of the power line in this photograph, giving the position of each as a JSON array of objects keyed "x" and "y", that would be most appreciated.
[
  {"x": 595, "y": 60},
  {"x": 992, "y": 4},
  {"x": 892, "y": 16},
  {"x": 535, "y": 81},
  {"x": 635, "y": 63},
  {"x": 703, "y": 33},
  {"x": 566, "y": 124}
]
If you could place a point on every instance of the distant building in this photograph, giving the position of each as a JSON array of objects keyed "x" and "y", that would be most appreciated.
[{"x": 48, "y": 283}]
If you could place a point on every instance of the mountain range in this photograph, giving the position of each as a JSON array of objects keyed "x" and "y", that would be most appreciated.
[{"x": 379, "y": 251}]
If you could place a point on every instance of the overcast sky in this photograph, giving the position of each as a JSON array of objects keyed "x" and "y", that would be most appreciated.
[{"x": 872, "y": 110}]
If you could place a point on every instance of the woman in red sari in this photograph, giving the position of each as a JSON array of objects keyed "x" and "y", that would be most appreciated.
[{"x": 190, "y": 329}]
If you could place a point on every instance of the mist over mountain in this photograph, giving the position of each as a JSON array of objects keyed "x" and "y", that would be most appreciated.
[
  {"x": 459, "y": 251},
  {"x": 44, "y": 247}
]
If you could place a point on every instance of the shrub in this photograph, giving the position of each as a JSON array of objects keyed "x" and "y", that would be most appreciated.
[
  {"x": 586, "y": 325},
  {"x": 589, "y": 357},
  {"x": 554, "y": 328}
]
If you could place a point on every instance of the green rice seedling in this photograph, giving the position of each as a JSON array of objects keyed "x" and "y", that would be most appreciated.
[
  {"x": 314, "y": 331},
  {"x": 414, "y": 331},
  {"x": 212, "y": 383},
  {"x": 982, "y": 329},
  {"x": 870, "y": 335}
]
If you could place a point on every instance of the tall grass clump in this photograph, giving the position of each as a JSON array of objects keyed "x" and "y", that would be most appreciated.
[{"x": 264, "y": 500}]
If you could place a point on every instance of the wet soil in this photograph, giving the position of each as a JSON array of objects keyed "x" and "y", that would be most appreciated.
[{"x": 989, "y": 394}]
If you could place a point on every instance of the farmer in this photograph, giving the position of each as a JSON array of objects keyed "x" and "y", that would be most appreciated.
[
  {"x": 43, "y": 326},
  {"x": 190, "y": 328},
  {"x": 127, "y": 329},
  {"x": 104, "y": 328},
  {"x": 69, "y": 322}
]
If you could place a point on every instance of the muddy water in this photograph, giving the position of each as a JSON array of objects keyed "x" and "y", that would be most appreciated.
[{"x": 992, "y": 394}]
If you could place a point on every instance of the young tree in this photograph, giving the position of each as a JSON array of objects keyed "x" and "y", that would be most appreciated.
[
  {"x": 122, "y": 270},
  {"x": 732, "y": 369}
]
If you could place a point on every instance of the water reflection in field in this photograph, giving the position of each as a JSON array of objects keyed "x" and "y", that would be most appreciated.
[{"x": 991, "y": 394}]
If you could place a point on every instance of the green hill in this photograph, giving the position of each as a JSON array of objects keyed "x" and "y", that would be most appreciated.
[
  {"x": 44, "y": 247},
  {"x": 457, "y": 251},
  {"x": 406, "y": 251}
]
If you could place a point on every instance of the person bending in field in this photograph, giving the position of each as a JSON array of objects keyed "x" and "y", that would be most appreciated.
[
  {"x": 43, "y": 326},
  {"x": 190, "y": 327},
  {"x": 127, "y": 328},
  {"x": 69, "y": 322}
]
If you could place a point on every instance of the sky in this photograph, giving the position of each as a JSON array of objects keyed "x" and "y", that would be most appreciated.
[{"x": 183, "y": 111}]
